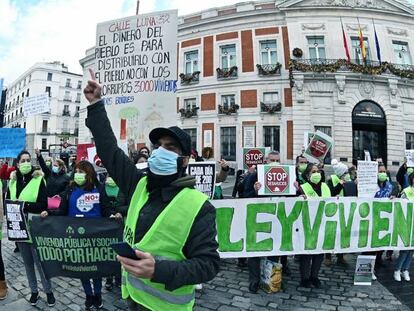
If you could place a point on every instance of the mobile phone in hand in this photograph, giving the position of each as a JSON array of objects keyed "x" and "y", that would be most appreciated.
[{"x": 123, "y": 249}]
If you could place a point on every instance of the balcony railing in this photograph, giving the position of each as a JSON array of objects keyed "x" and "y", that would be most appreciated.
[
  {"x": 269, "y": 70},
  {"x": 270, "y": 108},
  {"x": 67, "y": 99},
  {"x": 227, "y": 73},
  {"x": 357, "y": 66},
  {"x": 68, "y": 85},
  {"x": 188, "y": 112},
  {"x": 76, "y": 115},
  {"x": 190, "y": 78},
  {"x": 228, "y": 110},
  {"x": 66, "y": 113}
]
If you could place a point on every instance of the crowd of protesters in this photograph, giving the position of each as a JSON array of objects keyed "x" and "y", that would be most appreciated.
[{"x": 50, "y": 187}]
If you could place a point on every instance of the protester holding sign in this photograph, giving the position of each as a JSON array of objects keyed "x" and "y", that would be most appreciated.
[
  {"x": 3, "y": 284},
  {"x": 310, "y": 265},
  {"x": 27, "y": 185},
  {"x": 403, "y": 264},
  {"x": 86, "y": 197},
  {"x": 177, "y": 223},
  {"x": 55, "y": 175}
]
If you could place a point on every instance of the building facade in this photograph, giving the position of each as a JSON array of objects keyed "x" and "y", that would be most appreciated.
[
  {"x": 57, "y": 129},
  {"x": 262, "y": 73}
]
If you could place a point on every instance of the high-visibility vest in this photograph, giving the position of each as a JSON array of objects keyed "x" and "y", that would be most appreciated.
[
  {"x": 165, "y": 241},
  {"x": 409, "y": 193},
  {"x": 29, "y": 192},
  {"x": 335, "y": 181},
  {"x": 311, "y": 193}
]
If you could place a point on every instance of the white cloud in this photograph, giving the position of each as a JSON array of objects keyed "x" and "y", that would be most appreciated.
[
  {"x": 8, "y": 15},
  {"x": 55, "y": 30}
]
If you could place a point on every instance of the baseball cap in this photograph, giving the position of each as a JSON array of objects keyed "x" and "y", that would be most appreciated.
[{"x": 175, "y": 132}]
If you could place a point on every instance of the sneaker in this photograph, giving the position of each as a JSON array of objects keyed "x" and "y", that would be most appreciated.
[
  {"x": 406, "y": 275},
  {"x": 374, "y": 277},
  {"x": 89, "y": 302},
  {"x": 254, "y": 287},
  {"x": 316, "y": 282},
  {"x": 16, "y": 250},
  {"x": 50, "y": 299},
  {"x": 199, "y": 286},
  {"x": 306, "y": 283},
  {"x": 34, "y": 298},
  {"x": 397, "y": 275},
  {"x": 97, "y": 302}
]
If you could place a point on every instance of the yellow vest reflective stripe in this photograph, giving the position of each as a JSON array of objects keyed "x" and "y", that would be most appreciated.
[
  {"x": 335, "y": 181},
  {"x": 165, "y": 241},
  {"x": 409, "y": 193},
  {"x": 311, "y": 193},
  {"x": 29, "y": 193}
]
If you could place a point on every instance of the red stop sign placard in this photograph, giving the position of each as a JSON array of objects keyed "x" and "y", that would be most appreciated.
[
  {"x": 318, "y": 148},
  {"x": 277, "y": 179},
  {"x": 254, "y": 157}
]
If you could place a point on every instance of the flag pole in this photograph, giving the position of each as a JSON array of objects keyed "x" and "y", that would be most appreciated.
[{"x": 137, "y": 10}]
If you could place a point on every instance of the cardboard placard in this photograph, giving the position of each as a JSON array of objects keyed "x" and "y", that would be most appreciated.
[
  {"x": 35, "y": 105},
  {"x": 318, "y": 147},
  {"x": 364, "y": 269},
  {"x": 205, "y": 175},
  {"x": 16, "y": 221},
  {"x": 367, "y": 173},
  {"x": 136, "y": 64},
  {"x": 276, "y": 179},
  {"x": 12, "y": 142},
  {"x": 253, "y": 156}
]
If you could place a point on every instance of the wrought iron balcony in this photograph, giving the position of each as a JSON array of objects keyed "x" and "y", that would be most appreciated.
[
  {"x": 188, "y": 112},
  {"x": 228, "y": 110},
  {"x": 66, "y": 113},
  {"x": 190, "y": 78},
  {"x": 357, "y": 66},
  {"x": 67, "y": 99},
  {"x": 269, "y": 70},
  {"x": 270, "y": 108},
  {"x": 227, "y": 73}
]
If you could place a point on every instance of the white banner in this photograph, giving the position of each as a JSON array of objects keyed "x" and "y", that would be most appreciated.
[
  {"x": 35, "y": 105},
  {"x": 136, "y": 64},
  {"x": 367, "y": 174},
  {"x": 286, "y": 226}
]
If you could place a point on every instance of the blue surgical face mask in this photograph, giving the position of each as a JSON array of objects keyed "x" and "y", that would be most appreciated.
[
  {"x": 163, "y": 162},
  {"x": 55, "y": 169}
]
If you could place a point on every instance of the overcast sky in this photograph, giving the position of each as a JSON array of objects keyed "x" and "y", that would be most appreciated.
[{"x": 49, "y": 30}]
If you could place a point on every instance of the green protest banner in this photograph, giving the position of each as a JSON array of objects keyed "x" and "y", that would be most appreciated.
[
  {"x": 76, "y": 247},
  {"x": 287, "y": 226}
]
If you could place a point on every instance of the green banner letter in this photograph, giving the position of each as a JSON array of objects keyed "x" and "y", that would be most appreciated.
[
  {"x": 287, "y": 223},
  {"x": 253, "y": 227},
  {"x": 346, "y": 226},
  {"x": 402, "y": 225},
  {"x": 380, "y": 224},
  {"x": 364, "y": 210},
  {"x": 311, "y": 232},
  {"x": 224, "y": 220},
  {"x": 330, "y": 227}
]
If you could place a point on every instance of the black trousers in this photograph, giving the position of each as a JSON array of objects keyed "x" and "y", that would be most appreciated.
[
  {"x": 309, "y": 266},
  {"x": 253, "y": 265}
]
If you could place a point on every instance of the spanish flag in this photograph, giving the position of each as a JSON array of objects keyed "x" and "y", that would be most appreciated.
[{"x": 362, "y": 43}]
